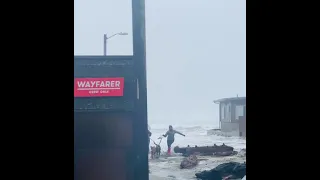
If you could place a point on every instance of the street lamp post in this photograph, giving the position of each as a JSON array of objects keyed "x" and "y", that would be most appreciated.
[{"x": 105, "y": 38}]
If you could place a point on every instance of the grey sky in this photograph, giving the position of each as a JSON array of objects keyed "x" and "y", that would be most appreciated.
[{"x": 196, "y": 51}]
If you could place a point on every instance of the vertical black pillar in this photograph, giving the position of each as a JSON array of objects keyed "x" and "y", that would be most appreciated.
[{"x": 139, "y": 58}]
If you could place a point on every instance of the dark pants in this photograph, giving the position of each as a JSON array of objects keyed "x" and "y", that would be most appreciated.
[{"x": 169, "y": 143}]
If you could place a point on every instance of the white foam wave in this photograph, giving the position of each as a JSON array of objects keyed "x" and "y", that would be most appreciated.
[{"x": 181, "y": 127}]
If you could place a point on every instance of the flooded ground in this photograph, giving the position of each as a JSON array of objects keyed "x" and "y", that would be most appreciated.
[{"x": 167, "y": 168}]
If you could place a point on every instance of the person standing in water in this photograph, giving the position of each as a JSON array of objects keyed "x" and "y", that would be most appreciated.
[
  {"x": 170, "y": 139},
  {"x": 149, "y": 134}
]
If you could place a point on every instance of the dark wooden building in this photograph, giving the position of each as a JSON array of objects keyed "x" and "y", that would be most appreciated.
[
  {"x": 232, "y": 115},
  {"x": 110, "y": 139},
  {"x": 110, "y": 111}
]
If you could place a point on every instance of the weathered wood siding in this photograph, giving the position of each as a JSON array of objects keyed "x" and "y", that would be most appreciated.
[{"x": 105, "y": 128}]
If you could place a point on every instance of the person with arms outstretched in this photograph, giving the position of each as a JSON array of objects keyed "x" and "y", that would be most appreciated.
[{"x": 170, "y": 139}]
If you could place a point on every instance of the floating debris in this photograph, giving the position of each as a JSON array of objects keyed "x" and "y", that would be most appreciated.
[
  {"x": 204, "y": 150},
  {"x": 189, "y": 162}
]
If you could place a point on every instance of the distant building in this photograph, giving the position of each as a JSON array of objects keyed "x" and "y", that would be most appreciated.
[{"x": 232, "y": 116}]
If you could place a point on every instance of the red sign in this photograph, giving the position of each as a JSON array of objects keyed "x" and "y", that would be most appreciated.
[{"x": 98, "y": 87}]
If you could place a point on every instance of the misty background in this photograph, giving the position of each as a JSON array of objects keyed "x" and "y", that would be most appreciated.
[{"x": 196, "y": 52}]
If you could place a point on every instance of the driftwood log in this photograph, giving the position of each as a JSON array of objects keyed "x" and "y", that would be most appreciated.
[{"x": 203, "y": 150}]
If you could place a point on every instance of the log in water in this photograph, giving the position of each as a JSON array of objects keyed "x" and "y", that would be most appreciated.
[{"x": 203, "y": 150}]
